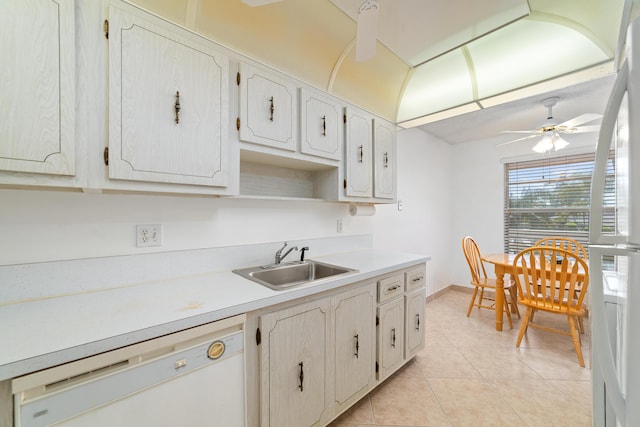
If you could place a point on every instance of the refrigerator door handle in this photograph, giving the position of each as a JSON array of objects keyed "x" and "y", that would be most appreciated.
[
  {"x": 605, "y": 138},
  {"x": 600, "y": 332}
]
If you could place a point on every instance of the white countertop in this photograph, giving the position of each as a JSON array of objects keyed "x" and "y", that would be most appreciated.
[{"x": 46, "y": 332}]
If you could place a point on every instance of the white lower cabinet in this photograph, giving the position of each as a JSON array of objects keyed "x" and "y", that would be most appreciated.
[
  {"x": 414, "y": 307},
  {"x": 401, "y": 299},
  {"x": 293, "y": 365},
  {"x": 354, "y": 351},
  {"x": 317, "y": 358},
  {"x": 390, "y": 337}
]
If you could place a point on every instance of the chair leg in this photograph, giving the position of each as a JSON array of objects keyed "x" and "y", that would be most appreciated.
[
  {"x": 576, "y": 339},
  {"x": 580, "y": 325},
  {"x": 514, "y": 303},
  {"x": 523, "y": 325},
  {"x": 473, "y": 300}
]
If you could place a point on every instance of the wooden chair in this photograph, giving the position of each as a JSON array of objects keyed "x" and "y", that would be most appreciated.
[
  {"x": 480, "y": 281},
  {"x": 564, "y": 243},
  {"x": 547, "y": 278},
  {"x": 571, "y": 245}
]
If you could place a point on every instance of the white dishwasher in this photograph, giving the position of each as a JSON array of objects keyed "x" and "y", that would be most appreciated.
[{"x": 190, "y": 378}]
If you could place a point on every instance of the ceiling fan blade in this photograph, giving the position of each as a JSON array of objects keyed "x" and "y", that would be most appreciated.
[
  {"x": 586, "y": 129},
  {"x": 367, "y": 30},
  {"x": 516, "y": 140},
  {"x": 258, "y": 3},
  {"x": 522, "y": 131},
  {"x": 584, "y": 118}
]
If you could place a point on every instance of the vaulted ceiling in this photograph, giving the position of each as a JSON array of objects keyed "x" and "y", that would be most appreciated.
[{"x": 434, "y": 59}]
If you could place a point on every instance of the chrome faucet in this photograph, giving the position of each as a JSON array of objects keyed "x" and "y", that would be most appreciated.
[{"x": 280, "y": 257}]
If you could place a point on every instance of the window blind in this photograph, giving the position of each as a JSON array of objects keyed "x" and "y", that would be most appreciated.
[{"x": 551, "y": 197}]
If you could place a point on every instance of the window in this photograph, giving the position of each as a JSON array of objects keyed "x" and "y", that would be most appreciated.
[{"x": 551, "y": 197}]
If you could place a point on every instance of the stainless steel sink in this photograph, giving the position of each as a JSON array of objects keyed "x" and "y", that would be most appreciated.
[{"x": 292, "y": 274}]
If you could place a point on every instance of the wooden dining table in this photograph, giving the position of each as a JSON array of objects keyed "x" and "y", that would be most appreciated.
[{"x": 503, "y": 264}]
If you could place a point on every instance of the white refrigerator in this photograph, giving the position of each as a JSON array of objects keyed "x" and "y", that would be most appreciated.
[{"x": 614, "y": 249}]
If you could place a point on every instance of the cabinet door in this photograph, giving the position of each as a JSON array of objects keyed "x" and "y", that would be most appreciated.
[
  {"x": 321, "y": 131},
  {"x": 354, "y": 332},
  {"x": 390, "y": 337},
  {"x": 359, "y": 153},
  {"x": 384, "y": 147},
  {"x": 414, "y": 327},
  {"x": 168, "y": 103},
  {"x": 268, "y": 108},
  {"x": 293, "y": 365},
  {"x": 37, "y": 86}
]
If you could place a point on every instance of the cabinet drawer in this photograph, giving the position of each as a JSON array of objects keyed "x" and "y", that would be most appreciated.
[
  {"x": 415, "y": 278},
  {"x": 390, "y": 288}
]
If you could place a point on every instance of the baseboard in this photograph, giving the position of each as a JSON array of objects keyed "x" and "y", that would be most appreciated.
[{"x": 449, "y": 288}]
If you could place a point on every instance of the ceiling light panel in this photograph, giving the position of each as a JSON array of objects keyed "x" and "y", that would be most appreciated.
[
  {"x": 419, "y": 30},
  {"x": 528, "y": 52},
  {"x": 437, "y": 85}
]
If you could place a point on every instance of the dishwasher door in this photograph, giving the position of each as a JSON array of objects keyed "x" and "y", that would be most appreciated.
[{"x": 196, "y": 382}]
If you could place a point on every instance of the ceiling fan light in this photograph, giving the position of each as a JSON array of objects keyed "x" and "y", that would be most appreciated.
[
  {"x": 545, "y": 144},
  {"x": 558, "y": 142}
]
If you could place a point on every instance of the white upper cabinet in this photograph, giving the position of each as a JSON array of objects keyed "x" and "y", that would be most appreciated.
[
  {"x": 358, "y": 153},
  {"x": 321, "y": 125},
  {"x": 37, "y": 86},
  {"x": 268, "y": 108},
  {"x": 384, "y": 170},
  {"x": 168, "y": 103}
]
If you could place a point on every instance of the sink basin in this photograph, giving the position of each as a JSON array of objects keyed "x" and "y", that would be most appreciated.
[{"x": 292, "y": 274}]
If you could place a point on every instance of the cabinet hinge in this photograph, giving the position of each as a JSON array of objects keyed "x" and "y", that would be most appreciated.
[
  {"x": 344, "y": 118},
  {"x": 105, "y": 27},
  {"x": 377, "y": 369},
  {"x": 238, "y": 78},
  {"x": 105, "y": 155},
  {"x": 344, "y": 184},
  {"x": 258, "y": 337},
  {"x": 377, "y": 320},
  {"x": 238, "y": 123}
]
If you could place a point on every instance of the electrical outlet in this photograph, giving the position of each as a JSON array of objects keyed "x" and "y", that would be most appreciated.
[
  {"x": 148, "y": 235},
  {"x": 400, "y": 205},
  {"x": 339, "y": 226}
]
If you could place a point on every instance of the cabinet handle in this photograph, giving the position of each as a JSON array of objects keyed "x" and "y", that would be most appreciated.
[
  {"x": 393, "y": 338},
  {"x": 301, "y": 376},
  {"x": 361, "y": 149},
  {"x": 417, "y": 322},
  {"x": 271, "y": 109},
  {"x": 324, "y": 125},
  {"x": 357, "y": 346},
  {"x": 417, "y": 279},
  {"x": 392, "y": 288},
  {"x": 386, "y": 160},
  {"x": 177, "y": 107}
]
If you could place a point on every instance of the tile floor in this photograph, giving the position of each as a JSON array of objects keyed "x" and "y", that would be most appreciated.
[{"x": 469, "y": 374}]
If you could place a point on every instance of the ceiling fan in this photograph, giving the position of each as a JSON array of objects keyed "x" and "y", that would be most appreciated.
[
  {"x": 551, "y": 130},
  {"x": 367, "y": 26}
]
